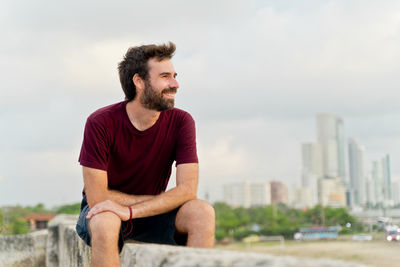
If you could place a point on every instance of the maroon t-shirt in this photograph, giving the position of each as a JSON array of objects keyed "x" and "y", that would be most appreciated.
[{"x": 137, "y": 162}]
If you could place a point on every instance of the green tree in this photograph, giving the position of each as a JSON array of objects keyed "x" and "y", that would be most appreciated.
[
  {"x": 2, "y": 226},
  {"x": 69, "y": 209},
  {"x": 1, "y": 217},
  {"x": 39, "y": 208},
  {"x": 225, "y": 217},
  {"x": 278, "y": 220},
  {"x": 19, "y": 227},
  {"x": 242, "y": 216},
  {"x": 315, "y": 216}
]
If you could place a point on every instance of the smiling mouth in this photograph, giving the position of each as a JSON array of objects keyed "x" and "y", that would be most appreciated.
[{"x": 170, "y": 95}]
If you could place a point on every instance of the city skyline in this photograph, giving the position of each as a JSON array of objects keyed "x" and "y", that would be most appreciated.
[
  {"x": 328, "y": 177},
  {"x": 336, "y": 180},
  {"x": 253, "y": 75}
]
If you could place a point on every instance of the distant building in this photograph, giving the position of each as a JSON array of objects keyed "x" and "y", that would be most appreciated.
[
  {"x": 396, "y": 192},
  {"x": 311, "y": 162},
  {"x": 377, "y": 180},
  {"x": 356, "y": 171},
  {"x": 303, "y": 198},
  {"x": 330, "y": 135},
  {"x": 311, "y": 171},
  {"x": 237, "y": 195},
  {"x": 247, "y": 195},
  {"x": 381, "y": 178},
  {"x": 279, "y": 193},
  {"x": 260, "y": 194},
  {"x": 387, "y": 183},
  {"x": 370, "y": 196},
  {"x": 331, "y": 192},
  {"x": 38, "y": 221}
]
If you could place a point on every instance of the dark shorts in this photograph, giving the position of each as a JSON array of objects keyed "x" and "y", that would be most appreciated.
[{"x": 159, "y": 229}]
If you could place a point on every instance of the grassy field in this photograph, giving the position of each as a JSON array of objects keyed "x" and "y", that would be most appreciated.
[{"x": 379, "y": 252}]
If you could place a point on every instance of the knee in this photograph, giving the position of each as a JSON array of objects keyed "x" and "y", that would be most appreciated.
[
  {"x": 202, "y": 215},
  {"x": 208, "y": 213},
  {"x": 104, "y": 227}
]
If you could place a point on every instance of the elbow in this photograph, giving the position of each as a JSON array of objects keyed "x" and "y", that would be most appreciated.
[
  {"x": 189, "y": 193},
  {"x": 192, "y": 196}
]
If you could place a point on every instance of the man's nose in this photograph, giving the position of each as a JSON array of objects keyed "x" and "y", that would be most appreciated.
[{"x": 174, "y": 83}]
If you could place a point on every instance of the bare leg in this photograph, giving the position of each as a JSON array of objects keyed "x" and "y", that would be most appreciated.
[
  {"x": 197, "y": 219},
  {"x": 104, "y": 230}
]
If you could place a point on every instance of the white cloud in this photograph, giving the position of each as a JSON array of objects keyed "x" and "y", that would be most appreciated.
[{"x": 223, "y": 159}]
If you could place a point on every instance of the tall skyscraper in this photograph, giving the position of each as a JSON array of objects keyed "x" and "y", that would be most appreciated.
[
  {"x": 311, "y": 171},
  {"x": 330, "y": 134},
  {"x": 387, "y": 183},
  {"x": 356, "y": 171},
  {"x": 377, "y": 181},
  {"x": 396, "y": 192},
  {"x": 311, "y": 162},
  {"x": 370, "y": 189}
]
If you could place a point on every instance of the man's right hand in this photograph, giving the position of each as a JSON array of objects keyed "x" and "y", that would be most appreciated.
[{"x": 122, "y": 212}]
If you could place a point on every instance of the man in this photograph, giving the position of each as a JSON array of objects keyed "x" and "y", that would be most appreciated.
[{"x": 127, "y": 155}]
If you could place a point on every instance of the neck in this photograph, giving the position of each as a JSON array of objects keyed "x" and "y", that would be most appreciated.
[{"x": 142, "y": 118}]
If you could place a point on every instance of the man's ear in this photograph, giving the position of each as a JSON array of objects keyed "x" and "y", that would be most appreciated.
[{"x": 138, "y": 82}]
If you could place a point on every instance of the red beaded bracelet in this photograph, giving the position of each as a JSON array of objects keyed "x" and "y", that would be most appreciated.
[
  {"x": 129, "y": 223},
  {"x": 130, "y": 212}
]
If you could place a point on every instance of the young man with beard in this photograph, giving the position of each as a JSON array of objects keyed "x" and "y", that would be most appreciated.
[{"x": 127, "y": 155}]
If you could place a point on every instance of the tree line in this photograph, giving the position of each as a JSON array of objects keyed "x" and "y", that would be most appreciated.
[{"x": 234, "y": 223}]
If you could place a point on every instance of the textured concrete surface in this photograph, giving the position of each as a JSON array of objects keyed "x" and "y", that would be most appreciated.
[
  {"x": 23, "y": 250},
  {"x": 65, "y": 248},
  {"x": 144, "y": 255}
]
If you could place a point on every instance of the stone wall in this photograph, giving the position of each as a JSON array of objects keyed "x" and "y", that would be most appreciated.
[
  {"x": 61, "y": 246},
  {"x": 64, "y": 247},
  {"x": 23, "y": 250}
]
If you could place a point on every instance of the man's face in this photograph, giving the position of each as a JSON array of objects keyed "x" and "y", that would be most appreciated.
[{"x": 160, "y": 87}]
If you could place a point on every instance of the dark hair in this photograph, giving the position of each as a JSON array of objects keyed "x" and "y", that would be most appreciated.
[{"x": 135, "y": 61}]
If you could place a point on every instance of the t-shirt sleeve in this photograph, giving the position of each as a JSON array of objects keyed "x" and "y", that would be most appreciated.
[
  {"x": 95, "y": 146},
  {"x": 186, "y": 151}
]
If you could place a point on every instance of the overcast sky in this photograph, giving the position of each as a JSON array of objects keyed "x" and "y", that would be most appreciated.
[{"x": 253, "y": 74}]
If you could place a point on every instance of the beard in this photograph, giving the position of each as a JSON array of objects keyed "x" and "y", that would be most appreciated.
[{"x": 153, "y": 100}]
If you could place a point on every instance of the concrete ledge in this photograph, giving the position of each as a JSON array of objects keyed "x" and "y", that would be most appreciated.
[
  {"x": 146, "y": 255},
  {"x": 61, "y": 246}
]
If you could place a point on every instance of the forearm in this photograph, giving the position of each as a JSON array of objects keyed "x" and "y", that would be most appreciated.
[
  {"x": 122, "y": 199},
  {"x": 102, "y": 199},
  {"x": 156, "y": 205},
  {"x": 163, "y": 203},
  {"x": 126, "y": 199}
]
